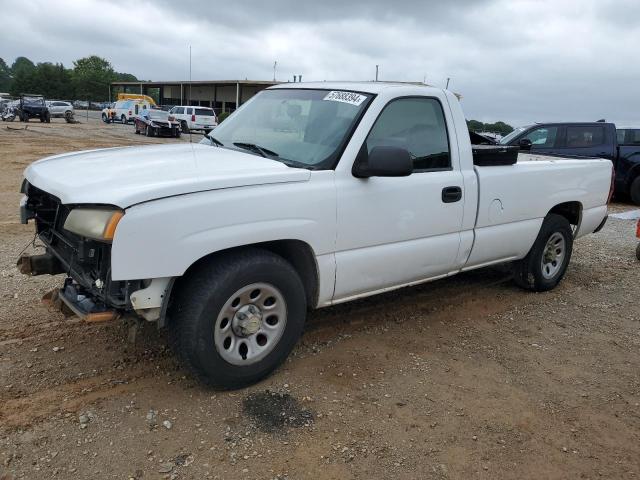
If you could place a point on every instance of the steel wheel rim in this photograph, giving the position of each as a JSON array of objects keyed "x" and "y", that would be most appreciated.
[
  {"x": 250, "y": 324},
  {"x": 553, "y": 255}
]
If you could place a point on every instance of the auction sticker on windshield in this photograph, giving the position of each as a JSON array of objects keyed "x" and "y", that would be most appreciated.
[{"x": 345, "y": 97}]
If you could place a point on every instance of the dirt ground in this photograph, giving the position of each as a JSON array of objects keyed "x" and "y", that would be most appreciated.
[{"x": 463, "y": 378}]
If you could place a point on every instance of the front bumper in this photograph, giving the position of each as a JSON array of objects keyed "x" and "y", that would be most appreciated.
[{"x": 87, "y": 262}]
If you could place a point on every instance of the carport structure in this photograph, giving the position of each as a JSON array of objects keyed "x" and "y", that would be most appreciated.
[{"x": 222, "y": 95}]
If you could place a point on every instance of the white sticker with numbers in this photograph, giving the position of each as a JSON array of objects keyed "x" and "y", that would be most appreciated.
[{"x": 351, "y": 98}]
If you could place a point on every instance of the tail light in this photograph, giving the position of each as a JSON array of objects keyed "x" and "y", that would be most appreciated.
[
  {"x": 638, "y": 229},
  {"x": 129, "y": 112},
  {"x": 613, "y": 180},
  {"x": 193, "y": 118}
]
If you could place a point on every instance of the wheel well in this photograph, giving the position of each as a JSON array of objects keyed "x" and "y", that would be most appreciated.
[
  {"x": 572, "y": 211},
  {"x": 633, "y": 174},
  {"x": 298, "y": 253}
]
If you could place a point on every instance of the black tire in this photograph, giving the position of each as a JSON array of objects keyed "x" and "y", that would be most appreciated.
[
  {"x": 200, "y": 297},
  {"x": 137, "y": 131},
  {"x": 148, "y": 131},
  {"x": 184, "y": 126},
  {"x": 638, "y": 252},
  {"x": 105, "y": 119},
  {"x": 123, "y": 119},
  {"x": 178, "y": 133},
  {"x": 528, "y": 272},
  {"x": 47, "y": 117},
  {"x": 634, "y": 190},
  {"x": 42, "y": 119}
]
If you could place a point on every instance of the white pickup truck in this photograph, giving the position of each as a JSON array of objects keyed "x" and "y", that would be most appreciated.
[{"x": 307, "y": 196}]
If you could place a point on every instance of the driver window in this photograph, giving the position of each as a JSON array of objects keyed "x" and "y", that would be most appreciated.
[
  {"x": 417, "y": 125},
  {"x": 543, "y": 137}
]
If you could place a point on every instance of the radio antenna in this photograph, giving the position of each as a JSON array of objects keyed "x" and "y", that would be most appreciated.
[{"x": 190, "y": 85}]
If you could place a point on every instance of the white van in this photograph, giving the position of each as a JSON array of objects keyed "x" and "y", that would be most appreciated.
[
  {"x": 124, "y": 110},
  {"x": 195, "y": 118}
]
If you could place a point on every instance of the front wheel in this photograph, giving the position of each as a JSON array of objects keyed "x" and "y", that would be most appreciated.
[
  {"x": 236, "y": 319},
  {"x": 547, "y": 261},
  {"x": 148, "y": 131}
]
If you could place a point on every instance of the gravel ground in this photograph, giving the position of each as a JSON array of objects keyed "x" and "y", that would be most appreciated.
[{"x": 468, "y": 377}]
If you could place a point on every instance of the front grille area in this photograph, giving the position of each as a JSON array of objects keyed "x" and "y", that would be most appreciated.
[{"x": 88, "y": 262}]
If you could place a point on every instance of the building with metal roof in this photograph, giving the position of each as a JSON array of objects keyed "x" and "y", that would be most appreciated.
[{"x": 221, "y": 95}]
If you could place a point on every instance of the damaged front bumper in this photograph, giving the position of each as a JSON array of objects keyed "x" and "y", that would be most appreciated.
[{"x": 89, "y": 290}]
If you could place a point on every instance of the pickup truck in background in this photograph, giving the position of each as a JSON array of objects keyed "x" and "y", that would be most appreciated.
[
  {"x": 307, "y": 196},
  {"x": 594, "y": 139}
]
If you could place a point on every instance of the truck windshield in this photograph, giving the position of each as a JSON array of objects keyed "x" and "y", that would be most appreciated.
[
  {"x": 517, "y": 131},
  {"x": 300, "y": 127}
]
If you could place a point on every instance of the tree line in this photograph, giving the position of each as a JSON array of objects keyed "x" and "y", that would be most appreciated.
[
  {"x": 499, "y": 128},
  {"x": 89, "y": 79}
]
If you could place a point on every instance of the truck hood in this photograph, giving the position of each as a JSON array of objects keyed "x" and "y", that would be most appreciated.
[{"x": 126, "y": 176}]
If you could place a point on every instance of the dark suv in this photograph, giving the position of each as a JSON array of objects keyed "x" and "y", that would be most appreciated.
[
  {"x": 594, "y": 139},
  {"x": 33, "y": 106}
]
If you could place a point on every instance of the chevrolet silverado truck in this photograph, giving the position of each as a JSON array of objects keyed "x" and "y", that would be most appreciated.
[{"x": 309, "y": 195}]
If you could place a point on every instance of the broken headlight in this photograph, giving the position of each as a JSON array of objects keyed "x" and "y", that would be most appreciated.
[{"x": 94, "y": 223}]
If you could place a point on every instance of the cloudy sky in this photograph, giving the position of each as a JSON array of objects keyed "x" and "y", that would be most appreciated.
[{"x": 512, "y": 60}]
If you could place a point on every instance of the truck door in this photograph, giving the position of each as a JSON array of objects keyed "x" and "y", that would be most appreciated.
[{"x": 400, "y": 230}]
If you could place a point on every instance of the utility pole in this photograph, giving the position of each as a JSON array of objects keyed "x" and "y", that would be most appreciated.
[
  {"x": 275, "y": 64},
  {"x": 377, "y": 72},
  {"x": 189, "y": 73}
]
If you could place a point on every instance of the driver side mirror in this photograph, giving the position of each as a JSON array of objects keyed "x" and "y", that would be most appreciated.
[
  {"x": 524, "y": 144},
  {"x": 383, "y": 162}
]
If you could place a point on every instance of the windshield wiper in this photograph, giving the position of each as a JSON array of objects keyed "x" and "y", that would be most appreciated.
[
  {"x": 264, "y": 152},
  {"x": 214, "y": 140}
]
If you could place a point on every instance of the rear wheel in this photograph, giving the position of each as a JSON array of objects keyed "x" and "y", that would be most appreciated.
[
  {"x": 47, "y": 117},
  {"x": 184, "y": 126},
  {"x": 123, "y": 119},
  {"x": 634, "y": 191},
  {"x": 547, "y": 261},
  {"x": 235, "y": 320}
]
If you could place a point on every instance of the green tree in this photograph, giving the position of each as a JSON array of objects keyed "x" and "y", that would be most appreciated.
[
  {"x": 125, "y": 77},
  {"x": 92, "y": 77},
  {"x": 475, "y": 125},
  {"x": 22, "y": 72},
  {"x": 5, "y": 76}
]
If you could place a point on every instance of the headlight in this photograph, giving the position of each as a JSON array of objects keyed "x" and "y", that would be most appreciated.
[{"x": 96, "y": 223}]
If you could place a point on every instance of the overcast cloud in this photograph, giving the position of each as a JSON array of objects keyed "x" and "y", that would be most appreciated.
[{"x": 518, "y": 61}]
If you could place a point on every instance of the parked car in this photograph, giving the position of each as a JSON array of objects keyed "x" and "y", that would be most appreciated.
[
  {"x": 60, "y": 109},
  {"x": 228, "y": 242},
  {"x": 32, "y": 106},
  {"x": 156, "y": 123},
  {"x": 638, "y": 236},
  {"x": 195, "y": 118},
  {"x": 594, "y": 139}
]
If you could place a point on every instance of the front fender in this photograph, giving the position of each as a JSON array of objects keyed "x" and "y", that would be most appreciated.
[{"x": 164, "y": 237}]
